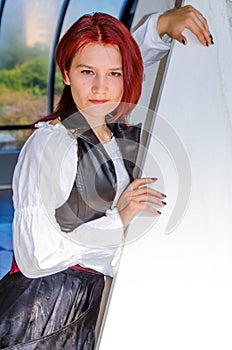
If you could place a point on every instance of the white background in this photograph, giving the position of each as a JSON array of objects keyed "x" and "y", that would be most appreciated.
[{"x": 174, "y": 285}]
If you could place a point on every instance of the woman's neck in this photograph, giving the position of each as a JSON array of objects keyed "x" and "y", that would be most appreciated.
[
  {"x": 99, "y": 127},
  {"x": 103, "y": 133}
]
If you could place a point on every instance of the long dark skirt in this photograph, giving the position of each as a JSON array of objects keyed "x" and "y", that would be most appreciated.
[{"x": 53, "y": 312}]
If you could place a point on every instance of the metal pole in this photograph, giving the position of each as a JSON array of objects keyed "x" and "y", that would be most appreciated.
[{"x": 52, "y": 67}]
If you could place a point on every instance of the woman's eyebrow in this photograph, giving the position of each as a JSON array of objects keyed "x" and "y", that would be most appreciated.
[
  {"x": 116, "y": 68},
  {"x": 85, "y": 65}
]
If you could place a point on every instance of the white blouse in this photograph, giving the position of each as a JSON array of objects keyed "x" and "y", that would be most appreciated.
[
  {"x": 43, "y": 178},
  {"x": 122, "y": 176},
  {"x": 152, "y": 47}
]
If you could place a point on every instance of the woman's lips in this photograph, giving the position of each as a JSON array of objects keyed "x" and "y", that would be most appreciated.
[{"x": 98, "y": 102}]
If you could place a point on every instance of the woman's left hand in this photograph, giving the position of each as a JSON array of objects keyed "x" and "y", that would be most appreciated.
[
  {"x": 175, "y": 21},
  {"x": 138, "y": 197}
]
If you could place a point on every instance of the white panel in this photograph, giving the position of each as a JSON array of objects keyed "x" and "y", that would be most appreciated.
[
  {"x": 144, "y": 8},
  {"x": 174, "y": 286}
]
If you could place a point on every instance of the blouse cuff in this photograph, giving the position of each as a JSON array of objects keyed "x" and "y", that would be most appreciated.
[{"x": 152, "y": 47}]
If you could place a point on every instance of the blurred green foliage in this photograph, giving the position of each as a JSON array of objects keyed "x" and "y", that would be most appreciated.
[
  {"x": 24, "y": 82},
  {"x": 31, "y": 75}
]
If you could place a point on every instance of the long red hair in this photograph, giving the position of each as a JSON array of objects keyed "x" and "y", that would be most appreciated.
[{"x": 101, "y": 28}]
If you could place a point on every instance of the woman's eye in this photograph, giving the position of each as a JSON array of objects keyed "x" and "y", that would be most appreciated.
[
  {"x": 116, "y": 74},
  {"x": 87, "y": 71}
]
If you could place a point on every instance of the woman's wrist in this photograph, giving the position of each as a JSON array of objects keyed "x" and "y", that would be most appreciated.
[{"x": 161, "y": 26}]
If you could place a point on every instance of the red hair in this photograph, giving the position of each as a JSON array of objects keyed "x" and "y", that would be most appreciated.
[{"x": 105, "y": 29}]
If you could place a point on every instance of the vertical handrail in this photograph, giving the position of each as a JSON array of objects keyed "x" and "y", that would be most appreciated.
[
  {"x": 125, "y": 13},
  {"x": 52, "y": 66},
  {"x": 1, "y": 11},
  {"x": 178, "y": 4}
]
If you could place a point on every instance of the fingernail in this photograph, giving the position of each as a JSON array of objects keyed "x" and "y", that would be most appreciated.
[
  {"x": 154, "y": 178},
  {"x": 164, "y": 202},
  {"x": 183, "y": 42},
  {"x": 164, "y": 195},
  {"x": 207, "y": 43},
  {"x": 158, "y": 212},
  {"x": 211, "y": 37}
]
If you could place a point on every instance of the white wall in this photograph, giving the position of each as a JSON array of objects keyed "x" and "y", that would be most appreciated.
[
  {"x": 174, "y": 285},
  {"x": 144, "y": 8}
]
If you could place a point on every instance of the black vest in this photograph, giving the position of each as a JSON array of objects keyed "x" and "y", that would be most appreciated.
[{"x": 95, "y": 185}]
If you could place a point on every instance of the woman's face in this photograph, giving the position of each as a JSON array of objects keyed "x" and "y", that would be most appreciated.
[{"x": 96, "y": 79}]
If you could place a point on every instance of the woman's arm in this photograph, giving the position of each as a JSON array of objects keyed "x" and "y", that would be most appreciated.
[
  {"x": 154, "y": 36},
  {"x": 152, "y": 47},
  {"x": 43, "y": 179}
]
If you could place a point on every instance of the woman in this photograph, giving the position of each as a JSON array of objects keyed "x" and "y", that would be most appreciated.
[
  {"x": 68, "y": 223},
  {"x": 75, "y": 192}
]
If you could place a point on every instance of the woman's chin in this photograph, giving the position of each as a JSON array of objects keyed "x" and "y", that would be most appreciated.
[{"x": 99, "y": 110}]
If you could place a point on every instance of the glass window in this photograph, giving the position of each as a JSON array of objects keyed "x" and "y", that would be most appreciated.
[
  {"x": 78, "y": 8},
  {"x": 25, "y": 46},
  {"x": 6, "y": 216},
  {"x": 25, "y": 49},
  {"x": 28, "y": 30}
]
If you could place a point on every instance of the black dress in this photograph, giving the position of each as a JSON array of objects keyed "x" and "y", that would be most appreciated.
[
  {"x": 53, "y": 312},
  {"x": 60, "y": 311}
]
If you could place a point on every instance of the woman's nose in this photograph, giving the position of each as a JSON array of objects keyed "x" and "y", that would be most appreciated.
[{"x": 99, "y": 84}]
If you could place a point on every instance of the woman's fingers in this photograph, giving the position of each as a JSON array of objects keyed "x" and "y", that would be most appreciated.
[
  {"x": 141, "y": 181},
  {"x": 197, "y": 24},
  {"x": 133, "y": 208},
  {"x": 174, "y": 22},
  {"x": 201, "y": 18},
  {"x": 139, "y": 197},
  {"x": 149, "y": 196},
  {"x": 149, "y": 209},
  {"x": 147, "y": 191},
  {"x": 149, "y": 199}
]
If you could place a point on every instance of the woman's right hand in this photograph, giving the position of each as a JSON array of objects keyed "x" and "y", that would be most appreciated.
[{"x": 139, "y": 197}]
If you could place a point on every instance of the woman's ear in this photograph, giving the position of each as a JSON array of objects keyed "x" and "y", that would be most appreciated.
[{"x": 66, "y": 78}]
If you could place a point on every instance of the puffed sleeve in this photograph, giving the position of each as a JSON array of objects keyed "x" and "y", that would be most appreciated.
[
  {"x": 152, "y": 47},
  {"x": 43, "y": 178}
]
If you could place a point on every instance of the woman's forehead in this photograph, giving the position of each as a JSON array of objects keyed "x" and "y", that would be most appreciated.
[{"x": 99, "y": 53}]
